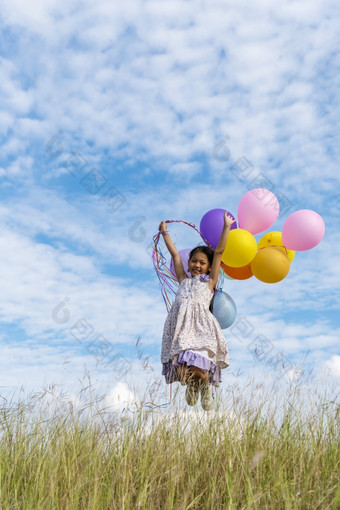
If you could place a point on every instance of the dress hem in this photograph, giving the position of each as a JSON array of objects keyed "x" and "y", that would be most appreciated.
[{"x": 190, "y": 358}]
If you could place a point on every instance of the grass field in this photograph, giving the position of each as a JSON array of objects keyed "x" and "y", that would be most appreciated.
[{"x": 266, "y": 451}]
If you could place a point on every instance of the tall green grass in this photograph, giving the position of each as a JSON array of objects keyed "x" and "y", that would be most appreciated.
[{"x": 263, "y": 451}]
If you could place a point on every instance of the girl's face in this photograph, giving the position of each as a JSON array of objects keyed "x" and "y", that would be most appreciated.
[{"x": 199, "y": 264}]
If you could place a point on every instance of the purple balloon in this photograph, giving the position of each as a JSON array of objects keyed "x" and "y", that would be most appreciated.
[
  {"x": 211, "y": 225},
  {"x": 184, "y": 254}
]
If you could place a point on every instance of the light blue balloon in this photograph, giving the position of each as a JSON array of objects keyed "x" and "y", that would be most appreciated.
[{"x": 224, "y": 309}]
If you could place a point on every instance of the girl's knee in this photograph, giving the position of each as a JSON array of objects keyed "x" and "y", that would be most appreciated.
[{"x": 185, "y": 374}]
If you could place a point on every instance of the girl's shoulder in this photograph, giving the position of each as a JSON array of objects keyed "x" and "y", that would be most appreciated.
[{"x": 184, "y": 283}]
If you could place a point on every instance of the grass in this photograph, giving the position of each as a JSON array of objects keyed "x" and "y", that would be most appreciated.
[{"x": 266, "y": 451}]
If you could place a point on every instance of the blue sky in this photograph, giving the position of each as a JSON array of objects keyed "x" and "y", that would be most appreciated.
[{"x": 117, "y": 115}]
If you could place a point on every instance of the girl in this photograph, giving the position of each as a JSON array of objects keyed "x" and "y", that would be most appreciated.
[{"x": 193, "y": 347}]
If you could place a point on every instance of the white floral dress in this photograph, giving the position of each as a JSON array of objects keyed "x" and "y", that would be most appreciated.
[{"x": 192, "y": 334}]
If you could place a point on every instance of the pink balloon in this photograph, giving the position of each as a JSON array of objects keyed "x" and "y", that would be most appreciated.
[
  {"x": 303, "y": 230},
  {"x": 184, "y": 254},
  {"x": 258, "y": 210}
]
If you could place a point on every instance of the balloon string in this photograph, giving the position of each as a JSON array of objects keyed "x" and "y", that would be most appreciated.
[
  {"x": 272, "y": 246},
  {"x": 193, "y": 226},
  {"x": 167, "y": 279},
  {"x": 149, "y": 405}
]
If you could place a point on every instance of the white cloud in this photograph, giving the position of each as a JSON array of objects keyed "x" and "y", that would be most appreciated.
[
  {"x": 333, "y": 365},
  {"x": 119, "y": 397},
  {"x": 158, "y": 81},
  {"x": 36, "y": 276}
]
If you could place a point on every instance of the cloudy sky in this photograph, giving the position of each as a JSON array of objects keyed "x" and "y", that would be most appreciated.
[{"x": 116, "y": 115}]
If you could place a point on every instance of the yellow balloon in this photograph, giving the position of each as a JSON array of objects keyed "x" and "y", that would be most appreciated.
[
  {"x": 270, "y": 265},
  {"x": 275, "y": 239},
  {"x": 240, "y": 249}
]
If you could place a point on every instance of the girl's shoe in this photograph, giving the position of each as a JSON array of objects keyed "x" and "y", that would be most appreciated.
[
  {"x": 207, "y": 401},
  {"x": 192, "y": 393}
]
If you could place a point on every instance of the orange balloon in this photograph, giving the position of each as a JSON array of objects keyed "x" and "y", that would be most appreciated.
[
  {"x": 270, "y": 265},
  {"x": 239, "y": 273},
  {"x": 275, "y": 239}
]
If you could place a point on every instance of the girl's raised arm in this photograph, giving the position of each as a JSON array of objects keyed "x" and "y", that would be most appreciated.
[
  {"x": 178, "y": 265},
  {"x": 215, "y": 267}
]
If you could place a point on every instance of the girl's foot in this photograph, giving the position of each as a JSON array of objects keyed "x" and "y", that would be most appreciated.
[
  {"x": 192, "y": 393},
  {"x": 207, "y": 401}
]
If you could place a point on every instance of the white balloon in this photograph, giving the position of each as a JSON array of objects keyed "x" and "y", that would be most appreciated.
[{"x": 224, "y": 309}]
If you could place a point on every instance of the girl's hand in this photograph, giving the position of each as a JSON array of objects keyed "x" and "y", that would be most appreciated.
[
  {"x": 228, "y": 220},
  {"x": 163, "y": 227}
]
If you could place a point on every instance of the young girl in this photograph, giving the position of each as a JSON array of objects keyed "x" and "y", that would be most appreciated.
[{"x": 193, "y": 347}]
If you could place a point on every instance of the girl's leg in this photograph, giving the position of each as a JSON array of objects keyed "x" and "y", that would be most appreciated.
[
  {"x": 199, "y": 374},
  {"x": 207, "y": 400},
  {"x": 185, "y": 374}
]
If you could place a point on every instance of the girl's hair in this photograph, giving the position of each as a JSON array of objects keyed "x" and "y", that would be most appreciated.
[{"x": 209, "y": 252}]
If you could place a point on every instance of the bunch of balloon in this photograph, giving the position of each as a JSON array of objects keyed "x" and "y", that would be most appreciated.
[
  {"x": 269, "y": 259},
  {"x": 242, "y": 257}
]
